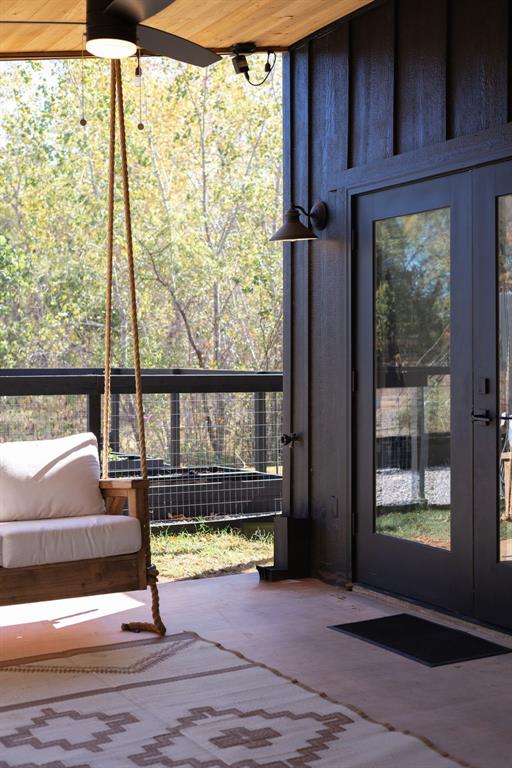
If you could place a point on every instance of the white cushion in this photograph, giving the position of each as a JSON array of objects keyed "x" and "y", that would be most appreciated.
[
  {"x": 50, "y": 478},
  {"x": 39, "y": 542}
]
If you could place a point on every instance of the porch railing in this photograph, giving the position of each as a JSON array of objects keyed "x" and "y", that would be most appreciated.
[{"x": 213, "y": 437}]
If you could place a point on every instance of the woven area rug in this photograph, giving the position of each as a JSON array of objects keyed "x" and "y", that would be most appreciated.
[{"x": 184, "y": 702}]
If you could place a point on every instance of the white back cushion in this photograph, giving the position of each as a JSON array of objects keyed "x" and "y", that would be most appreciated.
[{"x": 50, "y": 478}]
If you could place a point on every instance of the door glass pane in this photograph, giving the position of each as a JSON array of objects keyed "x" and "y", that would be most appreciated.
[
  {"x": 505, "y": 372},
  {"x": 412, "y": 371}
]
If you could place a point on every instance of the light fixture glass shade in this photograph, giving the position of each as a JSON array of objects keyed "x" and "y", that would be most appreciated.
[
  {"x": 293, "y": 229},
  {"x": 110, "y": 48}
]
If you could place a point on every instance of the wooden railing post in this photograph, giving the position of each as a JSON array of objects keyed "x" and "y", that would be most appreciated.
[{"x": 94, "y": 415}]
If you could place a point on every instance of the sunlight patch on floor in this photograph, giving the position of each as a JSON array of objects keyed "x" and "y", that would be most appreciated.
[{"x": 65, "y": 613}]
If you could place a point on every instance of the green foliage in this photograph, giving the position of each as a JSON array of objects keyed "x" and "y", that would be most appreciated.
[
  {"x": 206, "y": 195},
  {"x": 412, "y": 314}
]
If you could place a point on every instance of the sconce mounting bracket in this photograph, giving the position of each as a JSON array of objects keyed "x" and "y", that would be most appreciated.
[{"x": 319, "y": 215}]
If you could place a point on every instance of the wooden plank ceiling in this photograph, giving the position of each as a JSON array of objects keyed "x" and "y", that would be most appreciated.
[{"x": 216, "y": 24}]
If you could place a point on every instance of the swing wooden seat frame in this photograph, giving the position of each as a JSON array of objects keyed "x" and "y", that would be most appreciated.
[
  {"x": 120, "y": 573},
  {"x": 79, "y": 578}
]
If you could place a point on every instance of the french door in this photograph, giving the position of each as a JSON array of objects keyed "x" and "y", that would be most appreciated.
[
  {"x": 413, "y": 426},
  {"x": 433, "y": 402},
  {"x": 492, "y": 392}
]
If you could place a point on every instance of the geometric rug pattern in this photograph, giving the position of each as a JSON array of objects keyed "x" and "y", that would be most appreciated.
[{"x": 184, "y": 702}]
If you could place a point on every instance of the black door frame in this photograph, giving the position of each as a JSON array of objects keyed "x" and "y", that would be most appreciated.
[
  {"x": 493, "y": 579},
  {"x": 465, "y": 153},
  {"x": 404, "y": 567}
]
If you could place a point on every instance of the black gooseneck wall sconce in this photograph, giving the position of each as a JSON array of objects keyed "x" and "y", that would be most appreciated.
[{"x": 293, "y": 229}]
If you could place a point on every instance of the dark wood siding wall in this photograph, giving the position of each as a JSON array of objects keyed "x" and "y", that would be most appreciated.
[{"x": 403, "y": 87}]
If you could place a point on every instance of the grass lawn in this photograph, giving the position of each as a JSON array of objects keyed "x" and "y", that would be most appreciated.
[
  {"x": 207, "y": 552},
  {"x": 426, "y": 525}
]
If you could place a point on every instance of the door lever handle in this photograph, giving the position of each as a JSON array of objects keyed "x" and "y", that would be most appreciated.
[
  {"x": 289, "y": 439},
  {"x": 481, "y": 417}
]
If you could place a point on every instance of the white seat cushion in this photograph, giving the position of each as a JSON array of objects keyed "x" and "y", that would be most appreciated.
[
  {"x": 40, "y": 479},
  {"x": 39, "y": 542}
]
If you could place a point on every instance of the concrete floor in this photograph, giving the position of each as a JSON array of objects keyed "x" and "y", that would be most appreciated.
[{"x": 463, "y": 709}]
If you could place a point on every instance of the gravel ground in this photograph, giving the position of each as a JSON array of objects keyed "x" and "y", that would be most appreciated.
[{"x": 397, "y": 487}]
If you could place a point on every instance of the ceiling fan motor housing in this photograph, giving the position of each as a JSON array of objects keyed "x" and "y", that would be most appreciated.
[{"x": 108, "y": 25}]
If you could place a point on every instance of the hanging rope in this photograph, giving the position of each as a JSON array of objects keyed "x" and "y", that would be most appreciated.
[
  {"x": 110, "y": 250},
  {"x": 131, "y": 276},
  {"x": 116, "y": 96},
  {"x": 158, "y": 627}
]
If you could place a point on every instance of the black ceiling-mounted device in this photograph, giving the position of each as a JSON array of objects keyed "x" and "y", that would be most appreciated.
[{"x": 240, "y": 52}]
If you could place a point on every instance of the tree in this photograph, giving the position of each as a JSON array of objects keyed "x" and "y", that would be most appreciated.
[{"x": 206, "y": 194}]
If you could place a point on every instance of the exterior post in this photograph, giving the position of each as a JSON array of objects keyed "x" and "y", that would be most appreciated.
[
  {"x": 115, "y": 420},
  {"x": 260, "y": 432},
  {"x": 174, "y": 430},
  {"x": 94, "y": 415}
]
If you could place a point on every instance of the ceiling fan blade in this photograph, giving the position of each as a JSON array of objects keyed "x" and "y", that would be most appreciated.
[
  {"x": 164, "y": 44},
  {"x": 138, "y": 10}
]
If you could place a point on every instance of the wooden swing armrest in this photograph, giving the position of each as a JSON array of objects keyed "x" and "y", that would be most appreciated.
[
  {"x": 117, "y": 492},
  {"x": 122, "y": 484}
]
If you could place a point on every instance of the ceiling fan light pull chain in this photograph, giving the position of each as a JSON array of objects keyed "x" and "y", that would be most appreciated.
[
  {"x": 139, "y": 82},
  {"x": 83, "y": 121}
]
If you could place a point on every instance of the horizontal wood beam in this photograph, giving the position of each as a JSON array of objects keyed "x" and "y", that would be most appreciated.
[{"x": 24, "y": 56}]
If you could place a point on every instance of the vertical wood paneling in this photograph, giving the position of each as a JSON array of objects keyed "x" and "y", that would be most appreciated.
[
  {"x": 401, "y": 76},
  {"x": 372, "y": 85},
  {"x": 328, "y": 386},
  {"x": 288, "y": 277},
  {"x": 300, "y": 285},
  {"x": 329, "y": 119},
  {"x": 478, "y": 65},
  {"x": 329, "y": 109},
  {"x": 509, "y": 62},
  {"x": 420, "y": 111}
]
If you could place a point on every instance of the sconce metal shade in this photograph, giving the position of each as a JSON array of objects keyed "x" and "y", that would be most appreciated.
[{"x": 293, "y": 229}]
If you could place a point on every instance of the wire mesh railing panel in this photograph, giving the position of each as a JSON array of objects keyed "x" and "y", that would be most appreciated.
[
  {"x": 210, "y": 455},
  {"x": 39, "y": 417}
]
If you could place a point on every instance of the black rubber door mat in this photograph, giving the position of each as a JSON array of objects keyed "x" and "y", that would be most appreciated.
[{"x": 421, "y": 640}]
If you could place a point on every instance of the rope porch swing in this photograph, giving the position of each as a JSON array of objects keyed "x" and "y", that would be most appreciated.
[
  {"x": 61, "y": 541},
  {"x": 116, "y": 97}
]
